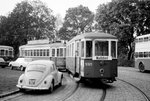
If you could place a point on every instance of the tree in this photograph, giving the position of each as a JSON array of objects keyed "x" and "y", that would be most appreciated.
[
  {"x": 120, "y": 17},
  {"x": 29, "y": 20},
  {"x": 77, "y": 20}
]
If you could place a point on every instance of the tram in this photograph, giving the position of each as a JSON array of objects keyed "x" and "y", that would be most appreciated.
[
  {"x": 45, "y": 50},
  {"x": 58, "y": 54},
  {"x": 6, "y": 52},
  {"x": 93, "y": 56}
]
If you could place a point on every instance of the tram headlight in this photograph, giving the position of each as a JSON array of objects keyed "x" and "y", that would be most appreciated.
[{"x": 101, "y": 70}]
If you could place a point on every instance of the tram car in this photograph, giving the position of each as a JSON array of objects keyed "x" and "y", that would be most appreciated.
[
  {"x": 45, "y": 50},
  {"x": 93, "y": 56},
  {"x": 6, "y": 52}
]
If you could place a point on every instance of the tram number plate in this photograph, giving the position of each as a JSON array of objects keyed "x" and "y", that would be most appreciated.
[{"x": 88, "y": 64}]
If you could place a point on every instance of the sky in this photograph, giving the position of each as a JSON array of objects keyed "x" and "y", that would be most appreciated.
[{"x": 58, "y": 6}]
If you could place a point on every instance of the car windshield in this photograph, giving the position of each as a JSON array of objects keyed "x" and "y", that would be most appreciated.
[
  {"x": 36, "y": 67},
  {"x": 2, "y": 60},
  {"x": 20, "y": 59}
]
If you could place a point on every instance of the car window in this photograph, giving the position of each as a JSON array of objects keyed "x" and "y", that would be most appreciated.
[
  {"x": 2, "y": 60},
  {"x": 36, "y": 67},
  {"x": 20, "y": 59}
]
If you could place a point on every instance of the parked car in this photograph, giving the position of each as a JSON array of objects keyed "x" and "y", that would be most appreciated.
[
  {"x": 20, "y": 63},
  {"x": 3, "y": 63},
  {"x": 40, "y": 75}
]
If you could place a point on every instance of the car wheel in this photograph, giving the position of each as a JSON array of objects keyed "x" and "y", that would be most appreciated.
[
  {"x": 21, "y": 68},
  {"x": 21, "y": 90},
  {"x": 141, "y": 67},
  {"x": 3, "y": 66},
  {"x": 11, "y": 67},
  {"x": 60, "y": 84},
  {"x": 51, "y": 87}
]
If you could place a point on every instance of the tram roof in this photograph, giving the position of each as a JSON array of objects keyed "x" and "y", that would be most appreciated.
[
  {"x": 57, "y": 45},
  {"x": 94, "y": 35},
  {"x": 3, "y": 46},
  {"x": 44, "y": 45}
]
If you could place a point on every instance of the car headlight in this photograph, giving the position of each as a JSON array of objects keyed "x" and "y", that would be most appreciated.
[
  {"x": 45, "y": 82},
  {"x": 21, "y": 81}
]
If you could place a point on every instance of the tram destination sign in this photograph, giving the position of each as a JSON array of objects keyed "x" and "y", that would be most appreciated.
[{"x": 102, "y": 58}]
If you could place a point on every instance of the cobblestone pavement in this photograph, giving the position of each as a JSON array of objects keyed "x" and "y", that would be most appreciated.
[
  {"x": 120, "y": 91},
  {"x": 117, "y": 91},
  {"x": 56, "y": 95},
  {"x": 87, "y": 92},
  {"x": 140, "y": 80}
]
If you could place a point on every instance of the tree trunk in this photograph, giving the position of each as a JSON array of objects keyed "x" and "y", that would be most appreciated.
[{"x": 130, "y": 51}]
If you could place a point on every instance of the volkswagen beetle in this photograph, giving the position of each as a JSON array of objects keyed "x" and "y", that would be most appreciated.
[{"x": 40, "y": 75}]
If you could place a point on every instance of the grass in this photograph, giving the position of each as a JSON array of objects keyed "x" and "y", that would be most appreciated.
[{"x": 8, "y": 79}]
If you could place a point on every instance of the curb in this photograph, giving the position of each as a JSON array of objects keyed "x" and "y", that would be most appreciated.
[{"x": 9, "y": 93}]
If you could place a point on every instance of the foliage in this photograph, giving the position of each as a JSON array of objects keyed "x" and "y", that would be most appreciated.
[
  {"x": 29, "y": 20},
  {"x": 77, "y": 20},
  {"x": 124, "y": 18}
]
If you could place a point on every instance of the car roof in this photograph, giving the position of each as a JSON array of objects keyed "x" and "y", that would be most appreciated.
[
  {"x": 42, "y": 62},
  {"x": 2, "y": 60}
]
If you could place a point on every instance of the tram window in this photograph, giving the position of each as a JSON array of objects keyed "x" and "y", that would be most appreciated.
[
  {"x": 145, "y": 54},
  {"x": 64, "y": 52},
  {"x": 47, "y": 52},
  {"x": 145, "y": 38},
  {"x": 113, "y": 49},
  {"x": 58, "y": 52},
  {"x": 136, "y": 40},
  {"x": 25, "y": 52},
  {"x": 53, "y": 52},
  {"x": 101, "y": 48},
  {"x": 34, "y": 53},
  {"x": 136, "y": 54},
  {"x": 140, "y": 54},
  {"x": 88, "y": 48},
  {"x": 2, "y": 52},
  {"x": 148, "y": 54},
  {"x": 61, "y": 51},
  {"x": 140, "y": 39},
  {"x": 31, "y": 52},
  {"x": 44, "y": 52},
  {"x": 82, "y": 49},
  {"x": 40, "y": 52},
  {"x": 37, "y": 52},
  {"x": 77, "y": 49}
]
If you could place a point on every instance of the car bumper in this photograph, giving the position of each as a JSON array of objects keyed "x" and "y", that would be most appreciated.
[{"x": 32, "y": 88}]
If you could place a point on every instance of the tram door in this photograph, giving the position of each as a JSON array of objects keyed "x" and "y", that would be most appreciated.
[{"x": 77, "y": 58}]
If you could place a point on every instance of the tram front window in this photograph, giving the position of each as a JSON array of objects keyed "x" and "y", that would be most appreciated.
[
  {"x": 101, "y": 48},
  {"x": 88, "y": 48}
]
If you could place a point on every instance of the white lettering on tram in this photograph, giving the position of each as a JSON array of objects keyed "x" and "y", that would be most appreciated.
[{"x": 88, "y": 64}]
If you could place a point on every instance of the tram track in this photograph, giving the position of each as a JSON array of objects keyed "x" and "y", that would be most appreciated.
[
  {"x": 70, "y": 94},
  {"x": 145, "y": 96},
  {"x": 103, "y": 95}
]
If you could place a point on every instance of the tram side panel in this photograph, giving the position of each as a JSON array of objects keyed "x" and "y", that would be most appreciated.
[{"x": 70, "y": 64}]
